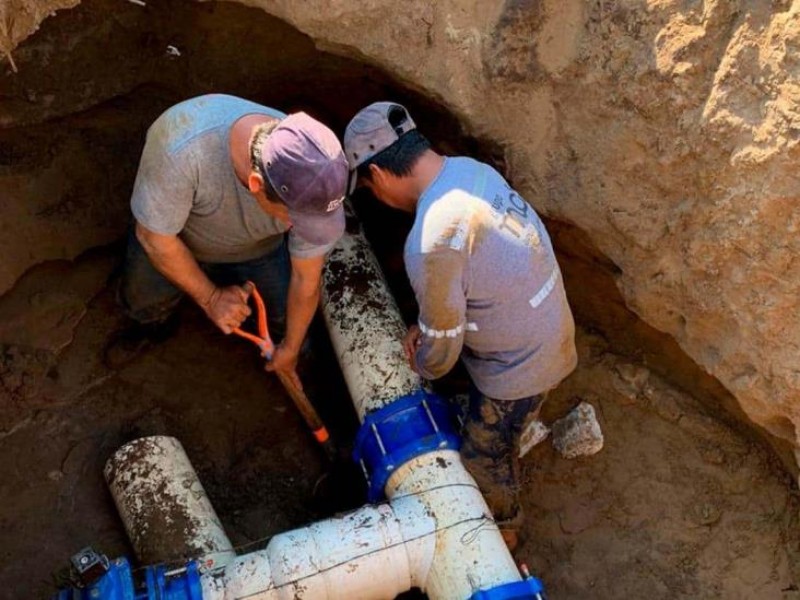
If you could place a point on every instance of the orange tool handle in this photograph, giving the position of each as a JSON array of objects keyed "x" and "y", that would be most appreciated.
[
  {"x": 301, "y": 401},
  {"x": 262, "y": 340}
]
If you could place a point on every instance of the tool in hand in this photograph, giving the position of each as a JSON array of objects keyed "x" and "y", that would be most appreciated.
[{"x": 301, "y": 401}]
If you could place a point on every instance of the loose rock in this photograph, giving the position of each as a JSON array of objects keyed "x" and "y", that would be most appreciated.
[
  {"x": 578, "y": 434},
  {"x": 535, "y": 433}
]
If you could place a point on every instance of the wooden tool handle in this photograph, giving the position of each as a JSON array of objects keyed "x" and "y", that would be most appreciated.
[
  {"x": 302, "y": 402},
  {"x": 310, "y": 416}
]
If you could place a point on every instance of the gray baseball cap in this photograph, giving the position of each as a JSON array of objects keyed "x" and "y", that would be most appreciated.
[
  {"x": 304, "y": 162},
  {"x": 372, "y": 130}
]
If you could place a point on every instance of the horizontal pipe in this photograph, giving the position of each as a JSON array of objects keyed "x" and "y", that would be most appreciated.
[
  {"x": 363, "y": 554},
  {"x": 436, "y": 534},
  {"x": 163, "y": 505}
]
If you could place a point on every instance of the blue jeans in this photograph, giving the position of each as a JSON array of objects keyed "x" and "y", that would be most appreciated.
[
  {"x": 147, "y": 296},
  {"x": 490, "y": 450}
]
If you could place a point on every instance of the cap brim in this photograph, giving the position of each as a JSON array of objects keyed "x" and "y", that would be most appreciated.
[{"x": 319, "y": 229}]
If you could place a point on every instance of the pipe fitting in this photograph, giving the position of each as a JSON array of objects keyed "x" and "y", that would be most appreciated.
[{"x": 400, "y": 431}]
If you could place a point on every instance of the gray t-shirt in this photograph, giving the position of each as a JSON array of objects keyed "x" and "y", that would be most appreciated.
[
  {"x": 488, "y": 285},
  {"x": 186, "y": 185}
]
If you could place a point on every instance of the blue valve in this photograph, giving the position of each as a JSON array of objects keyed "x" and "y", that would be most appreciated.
[{"x": 113, "y": 580}]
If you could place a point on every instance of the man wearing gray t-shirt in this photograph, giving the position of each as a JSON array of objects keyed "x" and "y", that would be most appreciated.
[
  {"x": 487, "y": 284},
  {"x": 220, "y": 182}
]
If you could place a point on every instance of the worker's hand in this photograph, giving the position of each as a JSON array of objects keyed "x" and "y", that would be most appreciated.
[
  {"x": 411, "y": 341},
  {"x": 284, "y": 364},
  {"x": 227, "y": 306}
]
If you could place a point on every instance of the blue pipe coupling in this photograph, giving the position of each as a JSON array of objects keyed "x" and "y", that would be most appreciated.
[{"x": 406, "y": 428}]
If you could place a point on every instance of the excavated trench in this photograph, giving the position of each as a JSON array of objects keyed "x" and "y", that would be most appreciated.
[{"x": 684, "y": 501}]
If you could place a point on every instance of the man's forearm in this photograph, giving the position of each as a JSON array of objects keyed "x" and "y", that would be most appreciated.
[
  {"x": 300, "y": 309},
  {"x": 174, "y": 260}
]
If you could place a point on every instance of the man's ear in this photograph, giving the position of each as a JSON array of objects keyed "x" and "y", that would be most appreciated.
[
  {"x": 376, "y": 173},
  {"x": 255, "y": 182}
]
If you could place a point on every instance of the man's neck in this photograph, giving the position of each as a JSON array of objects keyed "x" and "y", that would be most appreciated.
[
  {"x": 239, "y": 143},
  {"x": 425, "y": 170}
]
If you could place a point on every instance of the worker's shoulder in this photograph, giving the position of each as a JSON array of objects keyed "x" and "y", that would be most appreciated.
[
  {"x": 469, "y": 164},
  {"x": 463, "y": 188},
  {"x": 464, "y": 176},
  {"x": 195, "y": 118}
]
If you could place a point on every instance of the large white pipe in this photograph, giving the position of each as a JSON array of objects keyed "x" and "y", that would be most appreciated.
[
  {"x": 364, "y": 324},
  {"x": 439, "y": 538},
  {"x": 435, "y": 534},
  {"x": 366, "y": 328},
  {"x": 361, "y": 555},
  {"x": 163, "y": 505}
]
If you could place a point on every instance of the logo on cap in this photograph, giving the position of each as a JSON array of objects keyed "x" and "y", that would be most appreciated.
[{"x": 334, "y": 204}]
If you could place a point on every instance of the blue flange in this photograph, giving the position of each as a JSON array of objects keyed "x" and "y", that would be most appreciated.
[
  {"x": 159, "y": 584},
  {"x": 408, "y": 427},
  {"x": 175, "y": 586},
  {"x": 527, "y": 589}
]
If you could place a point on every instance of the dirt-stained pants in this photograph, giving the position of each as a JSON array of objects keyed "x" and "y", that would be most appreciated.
[{"x": 490, "y": 450}]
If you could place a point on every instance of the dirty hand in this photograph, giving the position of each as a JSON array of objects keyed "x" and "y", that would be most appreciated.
[
  {"x": 284, "y": 364},
  {"x": 227, "y": 306},
  {"x": 411, "y": 341}
]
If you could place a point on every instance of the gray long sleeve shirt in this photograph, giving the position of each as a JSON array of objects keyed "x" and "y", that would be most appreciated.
[{"x": 488, "y": 285}]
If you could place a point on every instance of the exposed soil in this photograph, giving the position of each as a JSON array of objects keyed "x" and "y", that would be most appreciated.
[
  {"x": 684, "y": 501},
  {"x": 678, "y": 504}
]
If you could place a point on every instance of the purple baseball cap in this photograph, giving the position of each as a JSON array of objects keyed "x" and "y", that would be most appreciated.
[{"x": 306, "y": 166}]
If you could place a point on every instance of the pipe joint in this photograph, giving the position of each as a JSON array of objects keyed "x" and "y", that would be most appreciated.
[{"x": 410, "y": 426}]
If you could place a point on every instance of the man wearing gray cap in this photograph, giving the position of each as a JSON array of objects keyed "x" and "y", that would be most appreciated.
[
  {"x": 220, "y": 181},
  {"x": 487, "y": 284}
]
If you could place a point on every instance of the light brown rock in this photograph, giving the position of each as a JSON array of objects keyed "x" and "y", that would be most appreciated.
[
  {"x": 21, "y": 18},
  {"x": 578, "y": 433}
]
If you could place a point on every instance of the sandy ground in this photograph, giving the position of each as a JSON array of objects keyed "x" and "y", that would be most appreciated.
[{"x": 677, "y": 504}]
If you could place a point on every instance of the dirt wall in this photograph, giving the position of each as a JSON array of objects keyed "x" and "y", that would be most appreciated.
[
  {"x": 21, "y": 18},
  {"x": 666, "y": 130}
]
